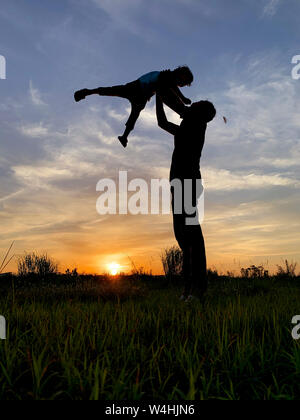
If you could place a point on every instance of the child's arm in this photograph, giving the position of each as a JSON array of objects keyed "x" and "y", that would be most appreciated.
[
  {"x": 178, "y": 93},
  {"x": 162, "y": 119}
]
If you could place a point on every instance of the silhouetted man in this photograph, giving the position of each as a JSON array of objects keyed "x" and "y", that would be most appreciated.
[{"x": 189, "y": 141}]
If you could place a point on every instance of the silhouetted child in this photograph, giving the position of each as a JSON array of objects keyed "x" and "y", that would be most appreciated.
[{"x": 139, "y": 92}]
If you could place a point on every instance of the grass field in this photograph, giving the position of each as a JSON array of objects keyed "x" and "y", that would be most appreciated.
[{"x": 132, "y": 339}]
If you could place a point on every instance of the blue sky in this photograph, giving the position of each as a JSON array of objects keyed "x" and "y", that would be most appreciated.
[{"x": 53, "y": 151}]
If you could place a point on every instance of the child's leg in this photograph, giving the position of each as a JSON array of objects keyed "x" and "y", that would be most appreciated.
[
  {"x": 81, "y": 94},
  {"x": 134, "y": 115},
  {"x": 172, "y": 101},
  {"x": 120, "y": 91},
  {"x": 136, "y": 109},
  {"x": 131, "y": 92}
]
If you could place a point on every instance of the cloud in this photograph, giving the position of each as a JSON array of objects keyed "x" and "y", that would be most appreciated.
[
  {"x": 224, "y": 180},
  {"x": 262, "y": 133},
  {"x": 141, "y": 18},
  {"x": 10, "y": 196},
  {"x": 50, "y": 165},
  {"x": 35, "y": 95},
  {"x": 34, "y": 130},
  {"x": 123, "y": 13},
  {"x": 270, "y": 9},
  {"x": 287, "y": 163},
  {"x": 31, "y": 175}
]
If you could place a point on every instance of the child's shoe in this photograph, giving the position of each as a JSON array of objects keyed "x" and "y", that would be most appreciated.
[
  {"x": 80, "y": 94},
  {"x": 123, "y": 140}
]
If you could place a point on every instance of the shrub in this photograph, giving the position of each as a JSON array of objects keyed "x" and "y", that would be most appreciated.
[
  {"x": 172, "y": 260},
  {"x": 212, "y": 274},
  {"x": 254, "y": 272},
  {"x": 289, "y": 270},
  {"x": 36, "y": 265}
]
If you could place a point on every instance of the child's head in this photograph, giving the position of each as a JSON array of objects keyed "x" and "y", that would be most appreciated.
[
  {"x": 202, "y": 111},
  {"x": 183, "y": 76}
]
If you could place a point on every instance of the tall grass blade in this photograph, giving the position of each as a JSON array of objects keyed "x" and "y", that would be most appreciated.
[{"x": 5, "y": 258}]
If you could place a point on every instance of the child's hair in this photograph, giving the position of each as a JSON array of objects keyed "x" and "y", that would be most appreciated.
[
  {"x": 203, "y": 110},
  {"x": 168, "y": 78},
  {"x": 186, "y": 72}
]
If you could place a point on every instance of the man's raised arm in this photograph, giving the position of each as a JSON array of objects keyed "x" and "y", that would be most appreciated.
[
  {"x": 180, "y": 95},
  {"x": 162, "y": 119}
]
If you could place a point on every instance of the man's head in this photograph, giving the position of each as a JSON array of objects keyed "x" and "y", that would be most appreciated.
[
  {"x": 202, "y": 111},
  {"x": 183, "y": 76}
]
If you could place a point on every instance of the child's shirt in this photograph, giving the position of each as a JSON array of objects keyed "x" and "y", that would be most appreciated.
[{"x": 149, "y": 83}]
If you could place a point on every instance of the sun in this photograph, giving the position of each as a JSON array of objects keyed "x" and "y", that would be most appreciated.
[{"x": 114, "y": 268}]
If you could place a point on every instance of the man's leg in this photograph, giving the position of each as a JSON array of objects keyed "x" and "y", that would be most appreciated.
[
  {"x": 187, "y": 270},
  {"x": 199, "y": 262},
  {"x": 179, "y": 230}
]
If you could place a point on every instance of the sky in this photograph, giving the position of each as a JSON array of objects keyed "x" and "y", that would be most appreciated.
[{"x": 54, "y": 151}]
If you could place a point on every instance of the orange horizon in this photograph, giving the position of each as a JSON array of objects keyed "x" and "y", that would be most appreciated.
[{"x": 109, "y": 263}]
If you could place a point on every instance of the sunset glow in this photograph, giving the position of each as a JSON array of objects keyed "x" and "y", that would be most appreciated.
[
  {"x": 114, "y": 268},
  {"x": 55, "y": 151}
]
